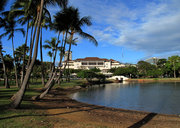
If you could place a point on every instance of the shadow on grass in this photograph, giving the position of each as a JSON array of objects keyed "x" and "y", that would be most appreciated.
[
  {"x": 63, "y": 113},
  {"x": 79, "y": 106}
]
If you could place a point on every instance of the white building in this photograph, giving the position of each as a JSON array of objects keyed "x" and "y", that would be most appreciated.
[{"x": 93, "y": 62}]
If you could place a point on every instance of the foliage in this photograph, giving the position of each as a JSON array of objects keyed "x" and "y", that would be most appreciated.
[
  {"x": 129, "y": 71},
  {"x": 89, "y": 75},
  {"x": 95, "y": 70}
]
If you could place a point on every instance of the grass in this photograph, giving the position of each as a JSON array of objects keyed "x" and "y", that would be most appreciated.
[
  {"x": 22, "y": 118},
  {"x": 26, "y": 117}
]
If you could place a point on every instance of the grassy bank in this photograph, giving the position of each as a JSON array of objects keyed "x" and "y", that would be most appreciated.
[
  {"x": 26, "y": 117},
  {"x": 156, "y": 79}
]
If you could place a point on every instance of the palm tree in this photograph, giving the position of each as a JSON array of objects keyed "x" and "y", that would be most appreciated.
[
  {"x": 4, "y": 67},
  {"x": 10, "y": 28},
  {"x": 51, "y": 45},
  {"x": 46, "y": 21},
  {"x": 25, "y": 10},
  {"x": 17, "y": 98},
  {"x": 72, "y": 25}
]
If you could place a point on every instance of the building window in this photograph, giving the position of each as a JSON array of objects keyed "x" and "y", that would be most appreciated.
[
  {"x": 100, "y": 63},
  {"x": 92, "y": 63},
  {"x": 84, "y": 63}
]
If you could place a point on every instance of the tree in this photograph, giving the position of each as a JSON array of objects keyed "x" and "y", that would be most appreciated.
[
  {"x": 175, "y": 62},
  {"x": 143, "y": 68},
  {"x": 6, "y": 83},
  {"x": 10, "y": 28},
  {"x": 161, "y": 65},
  {"x": 25, "y": 10},
  {"x": 17, "y": 98},
  {"x": 20, "y": 59},
  {"x": 51, "y": 45},
  {"x": 72, "y": 24}
]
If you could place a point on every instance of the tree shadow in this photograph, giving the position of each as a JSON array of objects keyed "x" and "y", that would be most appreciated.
[
  {"x": 145, "y": 120},
  {"x": 63, "y": 113}
]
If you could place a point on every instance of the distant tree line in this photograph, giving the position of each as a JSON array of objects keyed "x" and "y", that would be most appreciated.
[{"x": 162, "y": 69}]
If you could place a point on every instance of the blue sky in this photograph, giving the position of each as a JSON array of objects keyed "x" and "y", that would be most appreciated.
[{"x": 126, "y": 30}]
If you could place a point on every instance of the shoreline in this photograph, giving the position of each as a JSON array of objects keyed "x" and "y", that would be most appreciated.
[
  {"x": 154, "y": 80},
  {"x": 101, "y": 115}
]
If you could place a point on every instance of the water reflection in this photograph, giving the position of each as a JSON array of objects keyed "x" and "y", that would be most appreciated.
[{"x": 153, "y": 97}]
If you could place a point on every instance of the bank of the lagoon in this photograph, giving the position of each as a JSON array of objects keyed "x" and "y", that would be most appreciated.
[
  {"x": 58, "y": 110},
  {"x": 73, "y": 114},
  {"x": 154, "y": 80}
]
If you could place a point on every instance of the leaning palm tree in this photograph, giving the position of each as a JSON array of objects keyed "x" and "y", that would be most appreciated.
[
  {"x": 73, "y": 24},
  {"x": 17, "y": 98},
  {"x": 10, "y": 28}
]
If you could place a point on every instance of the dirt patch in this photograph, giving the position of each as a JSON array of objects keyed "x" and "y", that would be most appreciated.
[{"x": 68, "y": 113}]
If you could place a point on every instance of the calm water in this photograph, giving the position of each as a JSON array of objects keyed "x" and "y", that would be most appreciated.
[{"x": 151, "y": 97}]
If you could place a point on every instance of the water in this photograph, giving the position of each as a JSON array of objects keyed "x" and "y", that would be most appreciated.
[{"x": 151, "y": 97}]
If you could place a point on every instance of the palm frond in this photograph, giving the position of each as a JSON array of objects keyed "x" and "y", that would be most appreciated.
[
  {"x": 89, "y": 37},
  {"x": 20, "y": 30}
]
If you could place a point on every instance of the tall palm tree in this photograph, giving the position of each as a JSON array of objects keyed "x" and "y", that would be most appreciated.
[
  {"x": 4, "y": 67},
  {"x": 2, "y": 24},
  {"x": 46, "y": 22},
  {"x": 24, "y": 10},
  {"x": 72, "y": 25},
  {"x": 17, "y": 98},
  {"x": 10, "y": 29}
]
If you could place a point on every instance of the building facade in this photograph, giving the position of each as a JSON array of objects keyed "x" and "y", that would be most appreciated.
[{"x": 92, "y": 62}]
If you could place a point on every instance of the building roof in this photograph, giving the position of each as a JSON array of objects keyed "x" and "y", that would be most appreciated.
[{"x": 94, "y": 59}]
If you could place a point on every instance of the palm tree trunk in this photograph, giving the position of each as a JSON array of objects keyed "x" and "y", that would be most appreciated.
[
  {"x": 61, "y": 57},
  {"x": 4, "y": 69},
  {"x": 32, "y": 42},
  {"x": 17, "y": 98},
  {"x": 42, "y": 65},
  {"x": 54, "y": 58},
  {"x": 15, "y": 66},
  {"x": 24, "y": 54},
  {"x": 51, "y": 81}
]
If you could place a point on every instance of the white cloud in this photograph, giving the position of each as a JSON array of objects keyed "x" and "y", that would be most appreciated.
[{"x": 152, "y": 27}]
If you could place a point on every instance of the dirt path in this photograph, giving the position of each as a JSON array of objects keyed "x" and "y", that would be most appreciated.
[{"x": 68, "y": 113}]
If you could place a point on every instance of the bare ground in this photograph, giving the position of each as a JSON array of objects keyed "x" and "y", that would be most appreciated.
[{"x": 64, "y": 112}]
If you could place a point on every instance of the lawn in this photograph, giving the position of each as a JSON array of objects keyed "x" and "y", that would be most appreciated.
[{"x": 29, "y": 115}]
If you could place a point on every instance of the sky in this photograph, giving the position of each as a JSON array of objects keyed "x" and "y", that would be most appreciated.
[{"x": 126, "y": 30}]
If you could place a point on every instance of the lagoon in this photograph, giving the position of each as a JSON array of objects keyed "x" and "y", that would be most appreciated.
[{"x": 158, "y": 97}]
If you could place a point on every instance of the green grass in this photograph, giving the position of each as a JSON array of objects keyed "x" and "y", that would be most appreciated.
[
  {"x": 71, "y": 84},
  {"x": 23, "y": 119},
  {"x": 26, "y": 117}
]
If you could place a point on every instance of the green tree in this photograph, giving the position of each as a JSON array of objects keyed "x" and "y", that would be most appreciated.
[
  {"x": 73, "y": 25},
  {"x": 10, "y": 29},
  {"x": 144, "y": 67},
  {"x": 175, "y": 64},
  {"x": 17, "y": 98}
]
